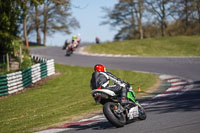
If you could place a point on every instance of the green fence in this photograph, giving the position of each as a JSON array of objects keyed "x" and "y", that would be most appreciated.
[{"x": 17, "y": 81}]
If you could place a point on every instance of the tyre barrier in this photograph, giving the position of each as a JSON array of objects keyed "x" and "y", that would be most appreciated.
[{"x": 14, "y": 82}]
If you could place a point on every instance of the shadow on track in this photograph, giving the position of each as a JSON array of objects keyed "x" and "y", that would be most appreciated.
[
  {"x": 188, "y": 101},
  {"x": 97, "y": 126},
  {"x": 102, "y": 125}
]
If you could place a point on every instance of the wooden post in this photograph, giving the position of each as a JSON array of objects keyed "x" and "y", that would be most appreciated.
[
  {"x": 20, "y": 56},
  {"x": 8, "y": 62},
  {"x": 25, "y": 32}
]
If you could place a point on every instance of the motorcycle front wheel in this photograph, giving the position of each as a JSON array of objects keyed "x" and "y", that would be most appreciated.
[
  {"x": 142, "y": 114},
  {"x": 116, "y": 119}
]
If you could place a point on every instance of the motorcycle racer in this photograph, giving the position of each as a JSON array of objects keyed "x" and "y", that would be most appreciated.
[
  {"x": 100, "y": 80},
  {"x": 73, "y": 38}
]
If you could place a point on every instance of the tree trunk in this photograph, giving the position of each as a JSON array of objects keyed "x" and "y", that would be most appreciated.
[
  {"x": 186, "y": 10},
  {"x": 132, "y": 29},
  {"x": 198, "y": 10},
  {"x": 162, "y": 30},
  {"x": 163, "y": 18},
  {"x": 8, "y": 62},
  {"x": 25, "y": 32},
  {"x": 37, "y": 25},
  {"x": 199, "y": 22},
  {"x": 45, "y": 23},
  {"x": 20, "y": 54},
  {"x": 140, "y": 18}
]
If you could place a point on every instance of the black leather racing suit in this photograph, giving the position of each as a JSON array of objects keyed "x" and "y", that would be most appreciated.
[{"x": 100, "y": 80}]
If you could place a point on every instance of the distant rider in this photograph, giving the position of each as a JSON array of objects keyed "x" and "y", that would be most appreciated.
[
  {"x": 100, "y": 80},
  {"x": 97, "y": 40},
  {"x": 73, "y": 38},
  {"x": 74, "y": 43}
]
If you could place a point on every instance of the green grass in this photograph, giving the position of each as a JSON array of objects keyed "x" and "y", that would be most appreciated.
[
  {"x": 166, "y": 46},
  {"x": 66, "y": 95}
]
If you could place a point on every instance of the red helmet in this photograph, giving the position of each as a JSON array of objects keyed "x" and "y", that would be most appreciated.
[{"x": 100, "y": 67}]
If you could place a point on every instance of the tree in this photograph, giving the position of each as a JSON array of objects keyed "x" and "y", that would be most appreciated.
[
  {"x": 196, "y": 5},
  {"x": 9, "y": 22},
  {"x": 57, "y": 17},
  {"x": 10, "y": 15},
  {"x": 161, "y": 9},
  {"x": 140, "y": 12},
  {"x": 37, "y": 21},
  {"x": 127, "y": 16},
  {"x": 49, "y": 16},
  {"x": 26, "y": 6},
  {"x": 187, "y": 14}
]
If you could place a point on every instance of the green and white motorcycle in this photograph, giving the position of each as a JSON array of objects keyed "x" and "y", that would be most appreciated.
[{"x": 116, "y": 113}]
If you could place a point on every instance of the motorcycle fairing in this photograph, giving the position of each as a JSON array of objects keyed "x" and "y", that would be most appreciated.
[
  {"x": 106, "y": 91},
  {"x": 131, "y": 95}
]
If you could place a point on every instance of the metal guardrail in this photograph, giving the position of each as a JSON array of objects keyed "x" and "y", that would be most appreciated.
[{"x": 14, "y": 82}]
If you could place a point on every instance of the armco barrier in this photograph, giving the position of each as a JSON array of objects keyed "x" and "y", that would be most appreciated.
[{"x": 17, "y": 81}]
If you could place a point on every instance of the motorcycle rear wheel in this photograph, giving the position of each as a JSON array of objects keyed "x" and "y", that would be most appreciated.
[
  {"x": 68, "y": 53},
  {"x": 116, "y": 119}
]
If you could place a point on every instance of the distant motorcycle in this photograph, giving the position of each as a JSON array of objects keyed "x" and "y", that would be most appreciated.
[
  {"x": 116, "y": 113},
  {"x": 71, "y": 48}
]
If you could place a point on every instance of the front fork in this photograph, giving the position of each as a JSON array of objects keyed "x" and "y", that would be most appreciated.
[{"x": 118, "y": 108}]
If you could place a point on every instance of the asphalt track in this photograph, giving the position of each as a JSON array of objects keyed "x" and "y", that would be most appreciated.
[{"x": 172, "y": 114}]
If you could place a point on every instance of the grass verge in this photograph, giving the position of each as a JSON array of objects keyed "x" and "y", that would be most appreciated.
[
  {"x": 165, "y": 46},
  {"x": 58, "y": 99}
]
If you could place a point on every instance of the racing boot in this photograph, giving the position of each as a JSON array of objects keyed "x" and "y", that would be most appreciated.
[{"x": 124, "y": 101}]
